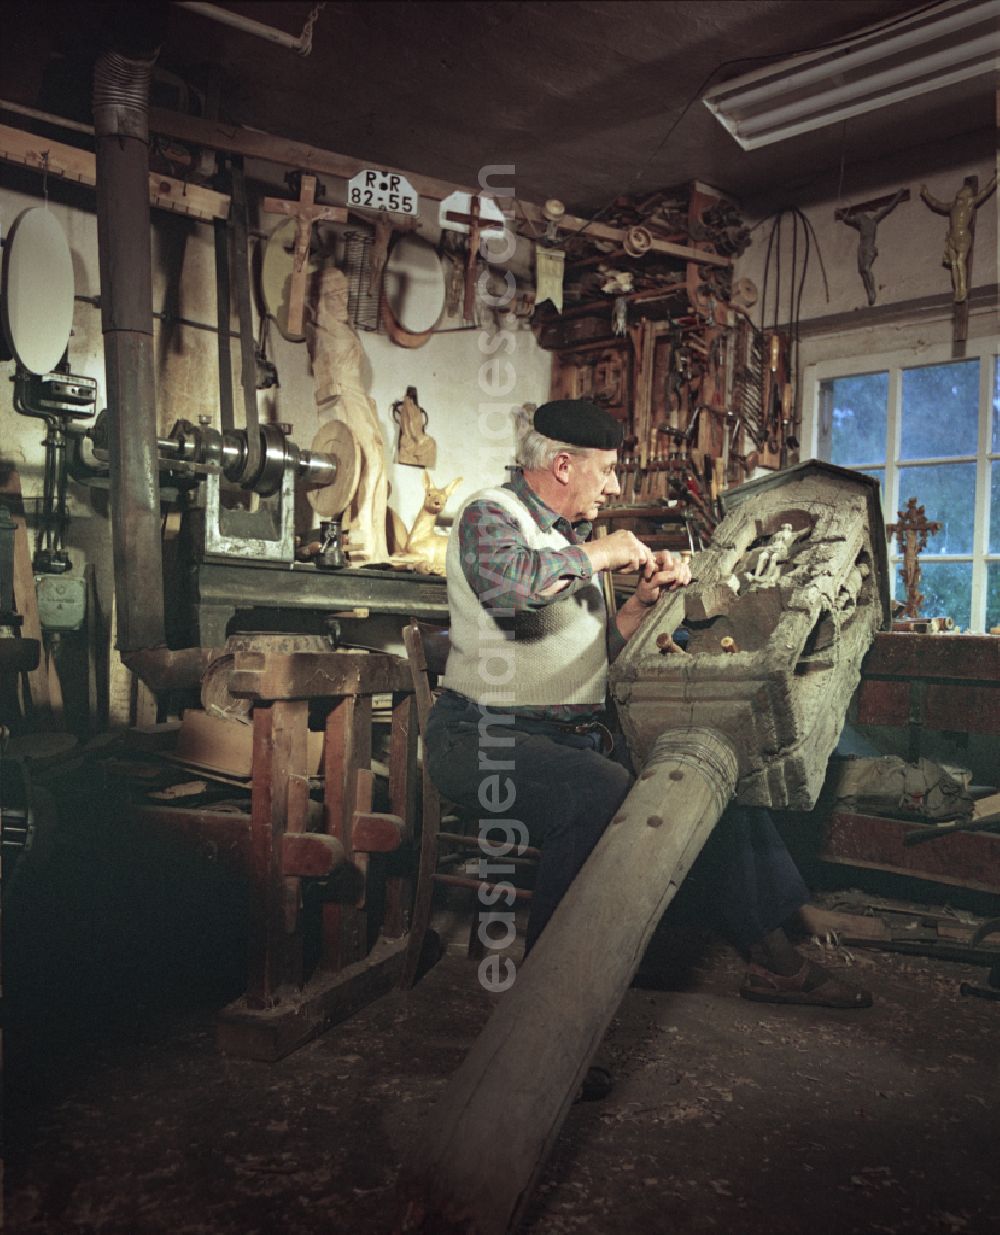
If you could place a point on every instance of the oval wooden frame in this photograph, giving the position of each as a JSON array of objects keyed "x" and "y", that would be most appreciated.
[{"x": 399, "y": 334}]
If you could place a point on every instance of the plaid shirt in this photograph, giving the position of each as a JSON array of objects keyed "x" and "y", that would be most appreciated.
[{"x": 505, "y": 574}]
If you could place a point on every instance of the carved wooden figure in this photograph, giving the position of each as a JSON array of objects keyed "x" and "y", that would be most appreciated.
[
  {"x": 425, "y": 545},
  {"x": 911, "y": 531},
  {"x": 340, "y": 393},
  {"x": 416, "y": 448},
  {"x": 865, "y": 217},
  {"x": 961, "y": 212}
]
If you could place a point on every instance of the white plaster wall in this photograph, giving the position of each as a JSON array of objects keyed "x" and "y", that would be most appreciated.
[{"x": 908, "y": 267}]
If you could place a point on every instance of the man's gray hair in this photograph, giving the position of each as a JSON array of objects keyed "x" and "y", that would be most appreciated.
[{"x": 535, "y": 451}]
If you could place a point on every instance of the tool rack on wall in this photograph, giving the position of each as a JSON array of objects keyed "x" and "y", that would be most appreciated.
[{"x": 667, "y": 345}]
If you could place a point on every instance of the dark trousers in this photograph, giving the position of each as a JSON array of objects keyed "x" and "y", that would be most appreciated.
[{"x": 565, "y": 792}]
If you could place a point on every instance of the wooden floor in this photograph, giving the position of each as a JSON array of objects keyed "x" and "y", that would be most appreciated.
[{"x": 727, "y": 1116}]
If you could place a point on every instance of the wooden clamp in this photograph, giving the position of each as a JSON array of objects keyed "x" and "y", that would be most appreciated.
[
  {"x": 376, "y": 832},
  {"x": 310, "y": 854}
]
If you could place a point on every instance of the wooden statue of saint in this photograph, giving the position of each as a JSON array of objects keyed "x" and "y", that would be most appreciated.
[
  {"x": 337, "y": 360},
  {"x": 416, "y": 448}
]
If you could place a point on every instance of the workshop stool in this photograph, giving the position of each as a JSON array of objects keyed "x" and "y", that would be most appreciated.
[{"x": 441, "y": 852}]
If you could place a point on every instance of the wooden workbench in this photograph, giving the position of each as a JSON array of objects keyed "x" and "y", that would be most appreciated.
[
  {"x": 362, "y": 937},
  {"x": 920, "y": 691}
]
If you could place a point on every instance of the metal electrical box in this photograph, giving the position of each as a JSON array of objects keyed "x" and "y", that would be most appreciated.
[{"x": 62, "y": 601}]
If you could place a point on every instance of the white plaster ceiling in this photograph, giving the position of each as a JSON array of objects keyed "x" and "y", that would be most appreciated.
[{"x": 583, "y": 97}]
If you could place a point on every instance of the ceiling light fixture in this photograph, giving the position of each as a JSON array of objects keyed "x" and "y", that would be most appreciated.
[{"x": 880, "y": 65}]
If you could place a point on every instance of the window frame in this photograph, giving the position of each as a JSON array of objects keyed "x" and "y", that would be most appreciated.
[{"x": 817, "y": 444}]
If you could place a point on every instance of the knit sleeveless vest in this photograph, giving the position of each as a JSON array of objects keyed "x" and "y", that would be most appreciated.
[{"x": 553, "y": 654}]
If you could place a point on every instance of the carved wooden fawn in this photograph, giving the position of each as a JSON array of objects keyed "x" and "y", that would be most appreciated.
[{"x": 424, "y": 542}]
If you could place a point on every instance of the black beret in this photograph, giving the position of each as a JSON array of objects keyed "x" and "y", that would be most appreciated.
[{"x": 580, "y": 423}]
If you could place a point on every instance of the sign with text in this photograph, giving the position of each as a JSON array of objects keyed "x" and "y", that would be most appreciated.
[{"x": 375, "y": 190}]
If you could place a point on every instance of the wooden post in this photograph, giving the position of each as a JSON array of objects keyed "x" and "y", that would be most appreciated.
[
  {"x": 490, "y": 1134},
  {"x": 402, "y": 801},
  {"x": 346, "y": 750},
  {"x": 279, "y": 800},
  {"x": 36, "y": 684}
]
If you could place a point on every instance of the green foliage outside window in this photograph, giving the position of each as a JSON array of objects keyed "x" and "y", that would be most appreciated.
[
  {"x": 947, "y": 493},
  {"x": 938, "y": 418},
  {"x": 859, "y": 410},
  {"x": 940, "y": 410},
  {"x": 994, "y": 540},
  {"x": 995, "y": 437},
  {"x": 946, "y": 588}
]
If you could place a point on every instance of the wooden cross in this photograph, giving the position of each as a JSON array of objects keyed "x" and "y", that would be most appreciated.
[
  {"x": 305, "y": 213},
  {"x": 472, "y": 221},
  {"x": 911, "y": 532}
]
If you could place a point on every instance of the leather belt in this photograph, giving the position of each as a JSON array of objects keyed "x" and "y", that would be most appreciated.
[{"x": 592, "y": 728}]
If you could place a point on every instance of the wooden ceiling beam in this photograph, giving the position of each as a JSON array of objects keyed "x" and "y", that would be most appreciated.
[
  {"x": 235, "y": 139},
  {"x": 253, "y": 144},
  {"x": 71, "y": 163},
  {"x": 168, "y": 193}
]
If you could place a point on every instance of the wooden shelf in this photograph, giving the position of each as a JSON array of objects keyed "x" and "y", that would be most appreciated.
[{"x": 667, "y": 513}]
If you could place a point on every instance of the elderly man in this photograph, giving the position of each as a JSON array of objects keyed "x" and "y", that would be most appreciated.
[{"x": 525, "y": 685}]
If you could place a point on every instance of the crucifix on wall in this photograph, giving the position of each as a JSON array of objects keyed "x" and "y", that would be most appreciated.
[
  {"x": 478, "y": 219},
  {"x": 865, "y": 217},
  {"x": 305, "y": 212},
  {"x": 911, "y": 531},
  {"x": 957, "y": 256}
]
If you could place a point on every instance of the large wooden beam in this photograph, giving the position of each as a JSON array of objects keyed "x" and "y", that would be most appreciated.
[
  {"x": 487, "y": 1140},
  {"x": 167, "y": 193},
  {"x": 235, "y": 139},
  {"x": 602, "y": 231},
  {"x": 316, "y": 675},
  {"x": 70, "y": 163}
]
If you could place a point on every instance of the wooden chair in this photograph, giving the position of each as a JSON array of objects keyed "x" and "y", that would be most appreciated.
[{"x": 442, "y": 853}]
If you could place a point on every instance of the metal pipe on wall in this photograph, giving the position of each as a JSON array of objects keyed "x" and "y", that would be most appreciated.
[
  {"x": 302, "y": 43},
  {"x": 121, "y": 124}
]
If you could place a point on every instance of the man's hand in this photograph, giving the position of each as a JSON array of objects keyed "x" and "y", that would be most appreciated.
[
  {"x": 665, "y": 570},
  {"x": 621, "y": 550}
]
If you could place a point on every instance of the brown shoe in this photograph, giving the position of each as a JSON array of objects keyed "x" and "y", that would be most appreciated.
[{"x": 812, "y": 985}]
